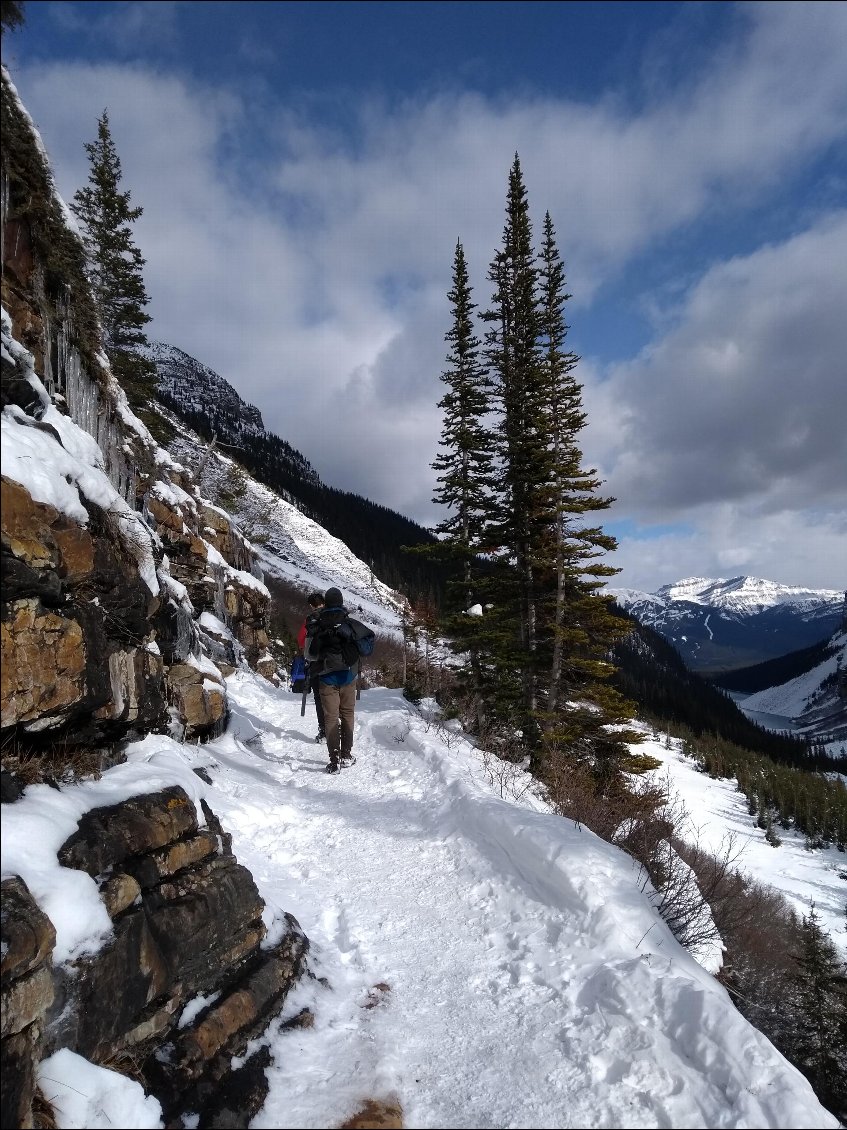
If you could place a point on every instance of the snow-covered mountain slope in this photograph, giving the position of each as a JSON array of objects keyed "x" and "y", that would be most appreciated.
[
  {"x": 815, "y": 701},
  {"x": 719, "y": 624},
  {"x": 210, "y": 406},
  {"x": 180, "y": 373},
  {"x": 715, "y": 812},
  {"x": 289, "y": 545},
  {"x": 477, "y": 959}
]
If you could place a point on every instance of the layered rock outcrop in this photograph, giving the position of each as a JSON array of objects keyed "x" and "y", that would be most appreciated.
[
  {"x": 79, "y": 625},
  {"x": 183, "y": 984}
]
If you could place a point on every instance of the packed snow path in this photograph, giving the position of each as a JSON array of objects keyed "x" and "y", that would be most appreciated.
[{"x": 526, "y": 981}]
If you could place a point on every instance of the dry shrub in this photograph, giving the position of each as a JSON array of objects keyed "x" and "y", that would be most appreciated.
[
  {"x": 506, "y": 774},
  {"x": 130, "y": 1063},
  {"x": 700, "y": 894},
  {"x": 55, "y": 763},
  {"x": 723, "y": 886},
  {"x": 631, "y": 818},
  {"x": 762, "y": 935},
  {"x": 642, "y": 817},
  {"x": 288, "y": 607},
  {"x": 385, "y": 667}
]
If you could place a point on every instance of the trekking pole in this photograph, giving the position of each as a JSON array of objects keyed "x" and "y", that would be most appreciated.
[
  {"x": 306, "y": 688},
  {"x": 359, "y": 681}
]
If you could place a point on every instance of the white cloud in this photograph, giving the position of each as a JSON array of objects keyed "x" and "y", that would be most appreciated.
[
  {"x": 744, "y": 398},
  {"x": 790, "y": 547},
  {"x": 125, "y": 27},
  {"x": 312, "y": 275}
]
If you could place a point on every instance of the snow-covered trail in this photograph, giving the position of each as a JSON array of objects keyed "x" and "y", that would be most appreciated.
[{"x": 526, "y": 980}]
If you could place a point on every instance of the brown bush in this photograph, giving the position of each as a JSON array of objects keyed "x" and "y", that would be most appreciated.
[{"x": 36, "y": 762}]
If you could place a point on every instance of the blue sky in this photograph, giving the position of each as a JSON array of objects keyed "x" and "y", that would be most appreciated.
[{"x": 305, "y": 171}]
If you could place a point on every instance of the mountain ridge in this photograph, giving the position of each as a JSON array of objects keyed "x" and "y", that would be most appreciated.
[{"x": 720, "y": 624}]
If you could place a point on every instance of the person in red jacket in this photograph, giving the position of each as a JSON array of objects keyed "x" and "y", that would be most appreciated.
[{"x": 316, "y": 602}]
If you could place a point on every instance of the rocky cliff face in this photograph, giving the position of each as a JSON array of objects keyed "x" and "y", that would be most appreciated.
[
  {"x": 111, "y": 557},
  {"x": 126, "y": 599}
]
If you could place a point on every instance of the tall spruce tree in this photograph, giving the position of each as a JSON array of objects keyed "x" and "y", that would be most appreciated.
[
  {"x": 566, "y": 420},
  {"x": 115, "y": 266},
  {"x": 465, "y": 461},
  {"x": 540, "y": 653},
  {"x": 465, "y": 482},
  {"x": 578, "y": 626},
  {"x": 549, "y": 632},
  {"x": 522, "y": 512}
]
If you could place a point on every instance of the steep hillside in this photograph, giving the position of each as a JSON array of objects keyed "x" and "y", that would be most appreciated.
[
  {"x": 212, "y": 408},
  {"x": 290, "y": 545},
  {"x": 197, "y": 395},
  {"x": 651, "y": 673},
  {"x": 720, "y": 625},
  {"x": 774, "y": 672},
  {"x": 127, "y": 599},
  {"x": 815, "y": 701},
  {"x": 111, "y": 557}
]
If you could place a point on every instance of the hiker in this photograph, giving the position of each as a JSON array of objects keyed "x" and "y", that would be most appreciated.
[
  {"x": 316, "y": 602},
  {"x": 336, "y": 678}
]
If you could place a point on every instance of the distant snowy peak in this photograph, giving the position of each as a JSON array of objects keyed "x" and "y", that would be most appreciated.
[
  {"x": 627, "y": 597},
  {"x": 719, "y": 624},
  {"x": 737, "y": 594},
  {"x": 744, "y": 594}
]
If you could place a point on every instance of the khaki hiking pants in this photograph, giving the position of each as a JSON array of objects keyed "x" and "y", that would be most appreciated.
[{"x": 339, "y": 705}]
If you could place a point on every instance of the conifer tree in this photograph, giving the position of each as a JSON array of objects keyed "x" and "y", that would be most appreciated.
[
  {"x": 523, "y": 510},
  {"x": 115, "y": 265},
  {"x": 817, "y": 1043},
  {"x": 465, "y": 483},
  {"x": 11, "y": 15},
  {"x": 575, "y": 547},
  {"x": 564, "y": 630},
  {"x": 465, "y": 462},
  {"x": 540, "y": 653}
]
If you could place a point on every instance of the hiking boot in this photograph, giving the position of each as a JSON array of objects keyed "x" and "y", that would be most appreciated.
[
  {"x": 320, "y": 736},
  {"x": 347, "y": 759},
  {"x": 332, "y": 768}
]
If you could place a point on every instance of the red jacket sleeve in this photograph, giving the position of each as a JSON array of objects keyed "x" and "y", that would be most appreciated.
[{"x": 301, "y": 636}]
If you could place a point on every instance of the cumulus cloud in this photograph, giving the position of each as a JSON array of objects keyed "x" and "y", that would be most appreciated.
[
  {"x": 790, "y": 547},
  {"x": 743, "y": 399},
  {"x": 312, "y": 274}
]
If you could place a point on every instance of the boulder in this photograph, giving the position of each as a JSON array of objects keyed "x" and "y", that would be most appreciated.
[
  {"x": 28, "y": 935},
  {"x": 106, "y": 837}
]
